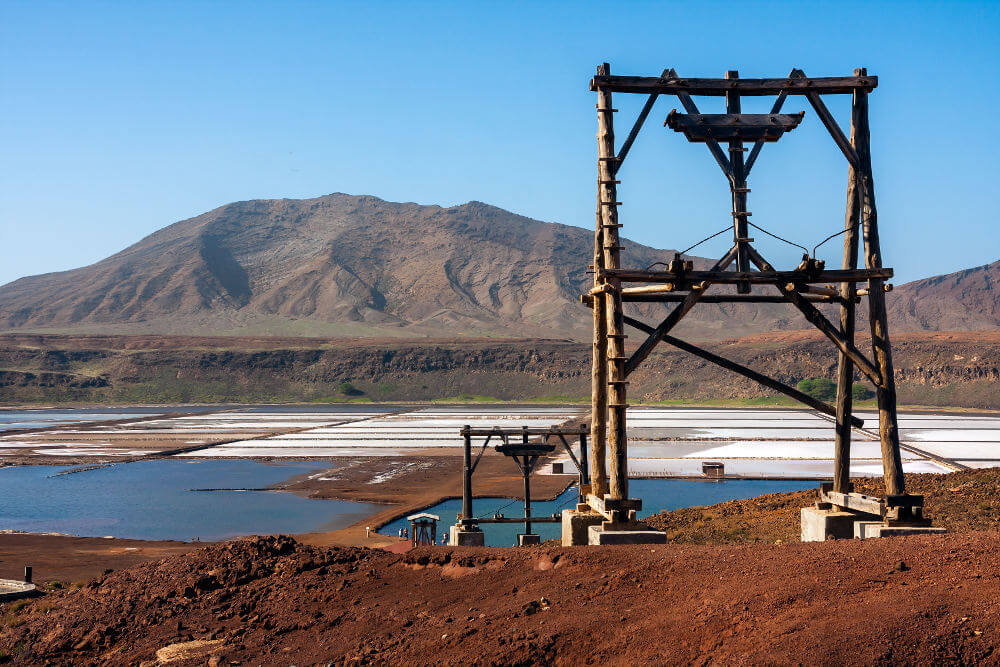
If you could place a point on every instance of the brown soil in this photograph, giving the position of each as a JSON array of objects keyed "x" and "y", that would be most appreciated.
[
  {"x": 65, "y": 559},
  {"x": 959, "y": 501},
  {"x": 273, "y": 600}
]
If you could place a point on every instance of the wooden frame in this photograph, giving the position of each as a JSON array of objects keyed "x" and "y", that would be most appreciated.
[{"x": 801, "y": 287}]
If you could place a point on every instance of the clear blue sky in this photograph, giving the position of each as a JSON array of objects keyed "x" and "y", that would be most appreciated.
[{"x": 120, "y": 118}]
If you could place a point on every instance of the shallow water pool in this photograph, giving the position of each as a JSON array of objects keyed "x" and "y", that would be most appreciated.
[
  {"x": 657, "y": 495},
  {"x": 154, "y": 500}
]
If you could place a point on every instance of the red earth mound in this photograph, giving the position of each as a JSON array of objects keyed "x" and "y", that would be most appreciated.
[{"x": 273, "y": 600}]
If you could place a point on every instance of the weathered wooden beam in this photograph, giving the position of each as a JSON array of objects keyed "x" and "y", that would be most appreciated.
[
  {"x": 498, "y": 431},
  {"x": 671, "y": 320},
  {"x": 718, "y": 298},
  {"x": 733, "y": 126},
  {"x": 520, "y": 519},
  {"x": 818, "y": 320},
  {"x": 615, "y": 336},
  {"x": 855, "y": 501},
  {"x": 843, "y": 85},
  {"x": 599, "y": 369},
  {"x": 630, "y": 139},
  {"x": 829, "y": 122},
  {"x": 713, "y": 146},
  {"x": 738, "y": 189},
  {"x": 755, "y": 151},
  {"x": 845, "y": 367},
  {"x": 885, "y": 391},
  {"x": 760, "y": 378},
  {"x": 759, "y": 277}
]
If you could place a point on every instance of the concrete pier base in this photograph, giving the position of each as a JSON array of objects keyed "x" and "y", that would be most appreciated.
[
  {"x": 575, "y": 524},
  {"x": 600, "y": 535},
  {"x": 528, "y": 539},
  {"x": 459, "y": 536},
  {"x": 864, "y": 530},
  {"x": 819, "y": 525}
]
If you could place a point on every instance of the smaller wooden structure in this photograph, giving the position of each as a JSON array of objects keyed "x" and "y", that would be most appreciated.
[
  {"x": 526, "y": 455},
  {"x": 423, "y": 529}
]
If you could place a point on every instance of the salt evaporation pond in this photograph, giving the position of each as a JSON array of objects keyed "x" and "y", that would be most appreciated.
[
  {"x": 657, "y": 495},
  {"x": 152, "y": 500}
]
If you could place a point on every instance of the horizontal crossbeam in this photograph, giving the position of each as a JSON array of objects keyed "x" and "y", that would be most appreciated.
[
  {"x": 759, "y": 277},
  {"x": 721, "y": 298},
  {"x": 733, "y": 127},
  {"x": 719, "y": 87},
  {"x": 520, "y": 519},
  {"x": 587, "y": 299},
  {"x": 760, "y": 378},
  {"x": 521, "y": 449},
  {"x": 496, "y": 430}
]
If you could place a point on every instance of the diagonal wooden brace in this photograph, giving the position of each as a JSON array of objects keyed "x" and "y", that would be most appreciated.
[
  {"x": 630, "y": 139},
  {"x": 717, "y": 152},
  {"x": 674, "y": 317},
  {"x": 819, "y": 320},
  {"x": 771, "y": 383},
  {"x": 830, "y": 123},
  {"x": 755, "y": 151}
]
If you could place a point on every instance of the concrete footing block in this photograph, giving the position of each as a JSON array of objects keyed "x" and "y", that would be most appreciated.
[
  {"x": 818, "y": 525},
  {"x": 864, "y": 530},
  {"x": 528, "y": 539},
  {"x": 598, "y": 535},
  {"x": 575, "y": 524},
  {"x": 459, "y": 536}
]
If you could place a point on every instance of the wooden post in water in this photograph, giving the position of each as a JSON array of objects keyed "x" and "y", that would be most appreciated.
[
  {"x": 467, "y": 477},
  {"x": 845, "y": 367},
  {"x": 616, "y": 383}
]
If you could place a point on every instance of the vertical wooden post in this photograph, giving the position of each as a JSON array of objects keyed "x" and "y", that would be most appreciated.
[
  {"x": 467, "y": 478},
  {"x": 599, "y": 371},
  {"x": 738, "y": 187},
  {"x": 845, "y": 367},
  {"x": 584, "y": 468},
  {"x": 526, "y": 469},
  {"x": 886, "y": 390},
  {"x": 617, "y": 396}
]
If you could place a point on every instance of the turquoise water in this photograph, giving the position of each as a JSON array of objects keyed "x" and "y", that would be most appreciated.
[
  {"x": 657, "y": 495},
  {"x": 152, "y": 500}
]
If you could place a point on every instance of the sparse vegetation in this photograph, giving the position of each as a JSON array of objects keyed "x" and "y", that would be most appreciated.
[
  {"x": 822, "y": 389},
  {"x": 348, "y": 389}
]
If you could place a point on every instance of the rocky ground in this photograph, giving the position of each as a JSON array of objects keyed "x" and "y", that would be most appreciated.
[
  {"x": 276, "y": 601},
  {"x": 724, "y": 599}
]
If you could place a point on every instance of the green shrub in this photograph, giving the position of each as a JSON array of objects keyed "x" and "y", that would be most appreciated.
[
  {"x": 348, "y": 389},
  {"x": 860, "y": 392},
  {"x": 821, "y": 389}
]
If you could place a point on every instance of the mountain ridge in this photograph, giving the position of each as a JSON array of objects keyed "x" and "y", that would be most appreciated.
[{"x": 359, "y": 265}]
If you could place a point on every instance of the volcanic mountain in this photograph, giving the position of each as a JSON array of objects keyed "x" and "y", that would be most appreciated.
[{"x": 344, "y": 265}]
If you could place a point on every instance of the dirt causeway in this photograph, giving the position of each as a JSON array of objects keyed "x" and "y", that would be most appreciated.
[{"x": 273, "y": 600}]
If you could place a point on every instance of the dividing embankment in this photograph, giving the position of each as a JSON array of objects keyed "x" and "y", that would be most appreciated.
[{"x": 959, "y": 369}]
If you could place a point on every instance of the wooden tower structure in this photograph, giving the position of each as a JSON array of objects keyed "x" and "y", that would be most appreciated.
[{"x": 735, "y": 140}]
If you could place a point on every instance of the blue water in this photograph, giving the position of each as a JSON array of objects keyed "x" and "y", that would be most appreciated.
[
  {"x": 657, "y": 495},
  {"x": 151, "y": 500}
]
